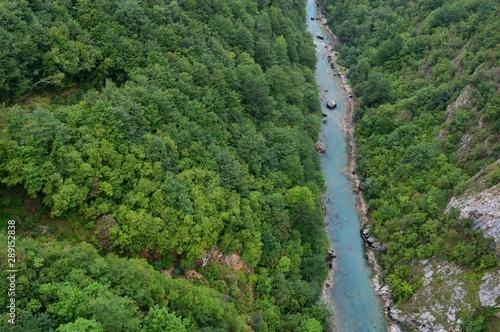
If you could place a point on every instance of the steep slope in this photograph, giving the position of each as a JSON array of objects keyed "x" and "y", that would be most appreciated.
[
  {"x": 428, "y": 119},
  {"x": 164, "y": 131},
  {"x": 481, "y": 203}
]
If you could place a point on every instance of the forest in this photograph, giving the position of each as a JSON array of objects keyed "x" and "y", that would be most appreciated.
[
  {"x": 137, "y": 137},
  {"x": 408, "y": 62}
]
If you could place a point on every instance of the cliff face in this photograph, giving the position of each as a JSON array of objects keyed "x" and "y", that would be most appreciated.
[
  {"x": 489, "y": 292},
  {"x": 436, "y": 306},
  {"x": 446, "y": 294},
  {"x": 483, "y": 208},
  {"x": 448, "y": 291},
  {"x": 481, "y": 204}
]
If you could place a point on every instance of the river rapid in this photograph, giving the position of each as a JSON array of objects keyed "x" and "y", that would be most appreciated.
[{"x": 356, "y": 307}]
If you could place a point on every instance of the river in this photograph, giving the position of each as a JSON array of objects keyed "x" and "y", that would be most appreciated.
[{"x": 356, "y": 306}]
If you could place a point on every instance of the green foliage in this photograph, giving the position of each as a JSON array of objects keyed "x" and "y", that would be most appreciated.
[
  {"x": 426, "y": 122},
  {"x": 472, "y": 324},
  {"x": 444, "y": 16},
  {"x": 164, "y": 129},
  {"x": 376, "y": 90},
  {"x": 299, "y": 194},
  {"x": 311, "y": 325},
  {"x": 159, "y": 319},
  {"x": 81, "y": 325},
  {"x": 95, "y": 293}
]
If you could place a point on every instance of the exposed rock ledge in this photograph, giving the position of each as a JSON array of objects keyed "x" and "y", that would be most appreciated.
[
  {"x": 483, "y": 208},
  {"x": 490, "y": 290},
  {"x": 435, "y": 307}
]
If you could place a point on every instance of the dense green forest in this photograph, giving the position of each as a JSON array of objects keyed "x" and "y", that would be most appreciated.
[
  {"x": 135, "y": 137},
  {"x": 408, "y": 61}
]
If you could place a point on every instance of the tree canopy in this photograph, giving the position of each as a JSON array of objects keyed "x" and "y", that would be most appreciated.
[
  {"x": 162, "y": 130},
  {"x": 426, "y": 74}
]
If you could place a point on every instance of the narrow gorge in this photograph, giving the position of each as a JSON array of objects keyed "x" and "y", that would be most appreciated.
[{"x": 355, "y": 304}]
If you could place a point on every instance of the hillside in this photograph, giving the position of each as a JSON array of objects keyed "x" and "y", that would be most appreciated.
[
  {"x": 426, "y": 77},
  {"x": 158, "y": 160}
]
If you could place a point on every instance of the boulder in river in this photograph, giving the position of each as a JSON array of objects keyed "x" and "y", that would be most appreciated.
[
  {"x": 331, "y": 104},
  {"x": 330, "y": 255},
  {"x": 320, "y": 148}
]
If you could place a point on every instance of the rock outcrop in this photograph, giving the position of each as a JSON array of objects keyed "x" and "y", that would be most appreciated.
[
  {"x": 330, "y": 255},
  {"x": 435, "y": 306},
  {"x": 371, "y": 241},
  {"x": 320, "y": 148},
  {"x": 483, "y": 208},
  {"x": 464, "y": 100},
  {"x": 489, "y": 292},
  {"x": 233, "y": 260}
]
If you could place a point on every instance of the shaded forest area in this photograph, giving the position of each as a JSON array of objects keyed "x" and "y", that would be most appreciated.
[
  {"x": 428, "y": 119},
  {"x": 138, "y": 135}
]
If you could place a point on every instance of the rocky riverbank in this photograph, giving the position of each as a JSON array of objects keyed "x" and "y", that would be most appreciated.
[{"x": 329, "y": 280}]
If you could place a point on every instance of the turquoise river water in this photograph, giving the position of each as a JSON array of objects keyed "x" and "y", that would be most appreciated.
[{"x": 356, "y": 306}]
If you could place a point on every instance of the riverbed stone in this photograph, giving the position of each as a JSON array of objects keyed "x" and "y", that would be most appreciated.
[{"x": 385, "y": 291}]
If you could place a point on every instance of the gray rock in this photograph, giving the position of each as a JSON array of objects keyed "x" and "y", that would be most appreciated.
[
  {"x": 435, "y": 306},
  {"x": 396, "y": 314},
  {"x": 331, "y": 104},
  {"x": 483, "y": 208},
  {"x": 393, "y": 328},
  {"x": 428, "y": 274},
  {"x": 385, "y": 291},
  {"x": 489, "y": 290}
]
